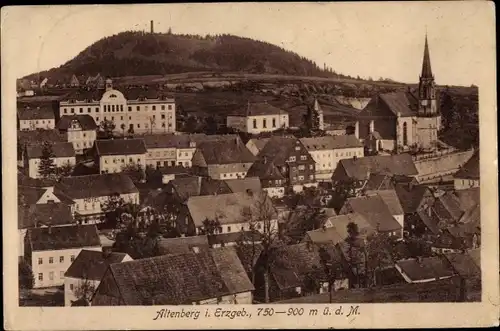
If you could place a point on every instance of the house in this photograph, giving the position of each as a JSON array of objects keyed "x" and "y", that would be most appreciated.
[
  {"x": 185, "y": 187},
  {"x": 258, "y": 117},
  {"x": 90, "y": 192},
  {"x": 468, "y": 175},
  {"x": 255, "y": 145},
  {"x": 424, "y": 269},
  {"x": 392, "y": 202},
  {"x": 337, "y": 231},
  {"x": 169, "y": 149},
  {"x": 295, "y": 269},
  {"x": 360, "y": 169},
  {"x": 336, "y": 128},
  {"x": 36, "y": 118},
  {"x": 85, "y": 273},
  {"x": 244, "y": 184},
  {"x": 73, "y": 81},
  {"x": 416, "y": 201},
  {"x": 63, "y": 154},
  {"x": 284, "y": 163},
  {"x": 398, "y": 121},
  {"x": 222, "y": 159},
  {"x": 80, "y": 131},
  {"x": 115, "y": 154},
  {"x": 235, "y": 212},
  {"x": 51, "y": 250},
  {"x": 134, "y": 110},
  {"x": 243, "y": 237},
  {"x": 374, "y": 209},
  {"x": 183, "y": 245},
  {"x": 39, "y": 136},
  {"x": 328, "y": 151},
  {"x": 208, "y": 277}
]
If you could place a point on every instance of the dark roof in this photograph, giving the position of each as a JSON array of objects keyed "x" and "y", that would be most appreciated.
[
  {"x": 468, "y": 198},
  {"x": 63, "y": 237},
  {"x": 86, "y": 122},
  {"x": 182, "y": 245},
  {"x": 470, "y": 170},
  {"x": 79, "y": 187},
  {"x": 390, "y": 104},
  {"x": 463, "y": 264},
  {"x": 264, "y": 169},
  {"x": 23, "y": 180},
  {"x": 84, "y": 95},
  {"x": 136, "y": 93},
  {"x": 410, "y": 196},
  {"x": 249, "y": 254},
  {"x": 331, "y": 142},
  {"x": 375, "y": 211},
  {"x": 180, "y": 278},
  {"x": 30, "y": 195},
  {"x": 378, "y": 182},
  {"x": 44, "y": 214},
  {"x": 391, "y": 200},
  {"x": 39, "y": 137},
  {"x": 186, "y": 187},
  {"x": 225, "y": 152},
  {"x": 425, "y": 268},
  {"x": 120, "y": 147},
  {"x": 60, "y": 149},
  {"x": 39, "y": 113},
  {"x": 278, "y": 150},
  {"x": 92, "y": 265},
  {"x": 338, "y": 231},
  {"x": 447, "y": 207},
  {"x": 259, "y": 108},
  {"x": 168, "y": 140},
  {"x": 361, "y": 168},
  {"x": 430, "y": 221},
  {"x": 244, "y": 184}
]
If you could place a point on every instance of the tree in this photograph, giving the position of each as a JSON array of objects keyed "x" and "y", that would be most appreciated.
[
  {"x": 47, "y": 167},
  {"x": 26, "y": 279},
  {"x": 135, "y": 171},
  {"x": 211, "y": 228},
  {"x": 378, "y": 255},
  {"x": 211, "y": 126},
  {"x": 342, "y": 191},
  {"x": 65, "y": 170},
  {"x": 107, "y": 127},
  {"x": 353, "y": 250},
  {"x": 191, "y": 124},
  {"x": 122, "y": 126}
]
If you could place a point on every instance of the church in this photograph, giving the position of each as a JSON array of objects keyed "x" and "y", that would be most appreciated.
[{"x": 400, "y": 121}]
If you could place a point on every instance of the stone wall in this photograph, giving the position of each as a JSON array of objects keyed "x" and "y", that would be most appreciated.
[{"x": 434, "y": 167}]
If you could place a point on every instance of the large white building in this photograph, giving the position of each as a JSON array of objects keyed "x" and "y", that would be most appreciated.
[
  {"x": 51, "y": 250},
  {"x": 329, "y": 150},
  {"x": 36, "y": 118},
  {"x": 258, "y": 117},
  {"x": 115, "y": 154},
  {"x": 80, "y": 130},
  {"x": 168, "y": 150},
  {"x": 63, "y": 154},
  {"x": 133, "y": 111}
]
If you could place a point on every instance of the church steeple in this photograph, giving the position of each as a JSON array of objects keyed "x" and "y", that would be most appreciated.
[
  {"x": 427, "y": 86},
  {"x": 426, "y": 65}
]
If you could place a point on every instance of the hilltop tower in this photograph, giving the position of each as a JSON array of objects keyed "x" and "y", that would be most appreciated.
[
  {"x": 152, "y": 27},
  {"x": 428, "y": 121}
]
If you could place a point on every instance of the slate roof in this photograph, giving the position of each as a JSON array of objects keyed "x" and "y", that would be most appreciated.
[
  {"x": 180, "y": 278},
  {"x": 361, "y": 168},
  {"x": 186, "y": 187},
  {"x": 430, "y": 222},
  {"x": 86, "y": 122},
  {"x": 60, "y": 149},
  {"x": 468, "y": 198},
  {"x": 244, "y": 184},
  {"x": 470, "y": 170},
  {"x": 378, "y": 182},
  {"x": 23, "y": 180},
  {"x": 392, "y": 103},
  {"x": 410, "y": 198},
  {"x": 39, "y": 113},
  {"x": 338, "y": 232},
  {"x": 30, "y": 195},
  {"x": 447, "y": 207},
  {"x": 80, "y": 187},
  {"x": 44, "y": 214},
  {"x": 331, "y": 142},
  {"x": 182, "y": 245},
  {"x": 375, "y": 211},
  {"x": 391, "y": 200},
  {"x": 426, "y": 268},
  {"x": 92, "y": 265},
  {"x": 259, "y": 108},
  {"x": 463, "y": 264},
  {"x": 120, "y": 147},
  {"x": 84, "y": 95},
  {"x": 33, "y": 137},
  {"x": 225, "y": 152},
  {"x": 227, "y": 208},
  {"x": 278, "y": 150},
  {"x": 63, "y": 237},
  {"x": 169, "y": 140},
  {"x": 264, "y": 169}
]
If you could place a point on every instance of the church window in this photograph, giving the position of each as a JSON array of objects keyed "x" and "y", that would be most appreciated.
[
  {"x": 274, "y": 122},
  {"x": 405, "y": 134}
]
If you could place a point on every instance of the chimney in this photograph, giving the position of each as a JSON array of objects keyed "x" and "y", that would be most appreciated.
[
  {"x": 372, "y": 126},
  {"x": 152, "y": 27}
]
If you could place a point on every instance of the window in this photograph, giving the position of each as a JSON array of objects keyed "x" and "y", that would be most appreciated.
[
  {"x": 169, "y": 107},
  {"x": 71, "y": 287},
  {"x": 81, "y": 110},
  {"x": 88, "y": 110},
  {"x": 40, "y": 260},
  {"x": 97, "y": 109},
  {"x": 36, "y": 122},
  {"x": 274, "y": 122},
  {"x": 297, "y": 148},
  {"x": 162, "y": 125},
  {"x": 264, "y": 123},
  {"x": 97, "y": 119},
  {"x": 130, "y": 160},
  {"x": 40, "y": 276},
  {"x": 162, "y": 116},
  {"x": 51, "y": 275},
  {"x": 302, "y": 167},
  {"x": 301, "y": 177},
  {"x": 303, "y": 157},
  {"x": 65, "y": 111},
  {"x": 162, "y": 107},
  {"x": 311, "y": 177},
  {"x": 311, "y": 166},
  {"x": 121, "y": 107},
  {"x": 138, "y": 125},
  {"x": 154, "y": 107},
  {"x": 72, "y": 258},
  {"x": 61, "y": 274},
  {"x": 113, "y": 108},
  {"x": 51, "y": 260},
  {"x": 72, "y": 110},
  {"x": 228, "y": 229},
  {"x": 292, "y": 159},
  {"x": 138, "y": 108}
]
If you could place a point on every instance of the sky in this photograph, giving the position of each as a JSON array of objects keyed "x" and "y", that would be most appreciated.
[{"x": 366, "y": 39}]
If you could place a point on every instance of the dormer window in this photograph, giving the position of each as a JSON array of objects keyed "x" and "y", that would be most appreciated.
[{"x": 113, "y": 96}]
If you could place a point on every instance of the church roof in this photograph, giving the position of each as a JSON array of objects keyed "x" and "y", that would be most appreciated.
[{"x": 426, "y": 64}]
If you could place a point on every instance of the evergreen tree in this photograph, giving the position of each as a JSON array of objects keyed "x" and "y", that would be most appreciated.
[{"x": 47, "y": 167}]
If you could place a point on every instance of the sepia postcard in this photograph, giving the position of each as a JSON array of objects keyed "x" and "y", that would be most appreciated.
[{"x": 250, "y": 165}]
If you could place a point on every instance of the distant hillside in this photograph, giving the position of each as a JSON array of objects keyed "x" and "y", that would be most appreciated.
[{"x": 140, "y": 53}]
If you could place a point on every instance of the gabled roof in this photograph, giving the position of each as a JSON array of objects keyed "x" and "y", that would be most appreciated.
[
  {"x": 30, "y": 195},
  {"x": 447, "y": 207},
  {"x": 425, "y": 268},
  {"x": 120, "y": 147},
  {"x": 39, "y": 113},
  {"x": 44, "y": 215},
  {"x": 391, "y": 104},
  {"x": 244, "y": 184},
  {"x": 361, "y": 168},
  {"x": 375, "y": 211},
  {"x": 63, "y": 237},
  {"x": 378, "y": 181},
  {"x": 430, "y": 222},
  {"x": 249, "y": 255},
  {"x": 23, "y": 180},
  {"x": 468, "y": 198},
  {"x": 258, "y": 109},
  {"x": 391, "y": 200},
  {"x": 85, "y": 121},
  {"x": 338, "y": 232},
  {"x": 59, "y": 149},
  {"x": 92, "y": 265},
  {"x": 80, "y": 187},
  {"x": 259, "y": 143},
  {"x": 33, "y": 137},
  {"x": 182, "y": 245},
  {"x": 225, "y": 152},
  {"x": 264, "y": 169},
  {"x": 470, "y": 170},
  {"x": 169, "y": 140},
  {"x": 228, "y": 208},
  {"x": 331, "y": 142},
  {"x": 180, "y": 278},
  {"x": 278, "y": 150},
  {"x": 463, "y": 264},
  {"x": 410, "y": 196},
  {"x": 187, "y": 187}
]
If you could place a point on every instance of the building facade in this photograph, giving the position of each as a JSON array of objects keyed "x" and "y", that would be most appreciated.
[
  {"x": 64, "y": 154},
  {"x": 80, "y": 130},
  {"x": 135, "y": 111},
  {"x": 36, "y": 118},
  {"x": 116, "y": 154},
  {"x": 258, "y": 117}
]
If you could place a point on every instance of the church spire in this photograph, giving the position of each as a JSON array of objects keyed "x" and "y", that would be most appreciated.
[{"x": 426, "y": 64}]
